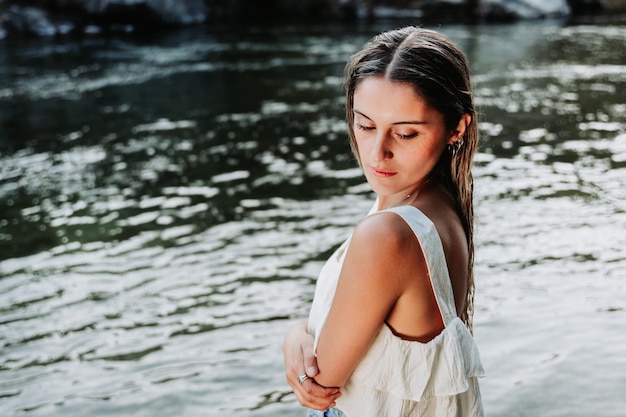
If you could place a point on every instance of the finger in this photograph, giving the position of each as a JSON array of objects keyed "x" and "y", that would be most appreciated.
[
  {"x": 313, "y": 388},
  {"x": 310, "y": 361},
  {"x": 314, "y": 396}
]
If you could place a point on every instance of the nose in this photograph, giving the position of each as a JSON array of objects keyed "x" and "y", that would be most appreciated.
[{"x": 381, "y": 150}]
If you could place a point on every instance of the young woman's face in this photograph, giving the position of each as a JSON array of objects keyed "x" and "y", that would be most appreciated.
[{"x": 399, "y": 137}]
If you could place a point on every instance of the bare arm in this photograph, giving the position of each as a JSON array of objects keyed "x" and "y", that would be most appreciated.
[
  {"x": 300, "y": 359},
  {"x": 373, "y": 277}
]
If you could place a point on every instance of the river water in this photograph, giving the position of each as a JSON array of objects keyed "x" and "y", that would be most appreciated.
[{"x": 167, "y": 201}]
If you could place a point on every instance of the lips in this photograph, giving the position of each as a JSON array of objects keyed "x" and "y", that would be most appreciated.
[{"x": 382, "y": 172}]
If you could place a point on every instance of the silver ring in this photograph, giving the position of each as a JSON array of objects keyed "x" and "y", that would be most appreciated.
[{"x": 302, "y": 378}]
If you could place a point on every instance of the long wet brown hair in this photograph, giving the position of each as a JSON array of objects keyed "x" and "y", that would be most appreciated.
[{"x": 439, "y": 74}]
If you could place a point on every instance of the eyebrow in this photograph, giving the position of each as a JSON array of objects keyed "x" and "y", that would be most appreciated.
[{"x": 405, "y": 122}]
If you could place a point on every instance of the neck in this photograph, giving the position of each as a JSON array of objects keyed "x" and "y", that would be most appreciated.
[{"x": 401, "y": 199}]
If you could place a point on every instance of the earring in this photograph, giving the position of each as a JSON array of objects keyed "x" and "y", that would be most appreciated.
[{"x": 455, "y": 146}]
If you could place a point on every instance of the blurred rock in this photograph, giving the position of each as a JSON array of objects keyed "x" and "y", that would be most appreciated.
[
  {"x": 58, "y": 17},
  {"x": 174, "y": 12},
  {"x": 523, "y": 9},
  {"x": 493, "y": 10},
  {"x": 31, "y": 21}
]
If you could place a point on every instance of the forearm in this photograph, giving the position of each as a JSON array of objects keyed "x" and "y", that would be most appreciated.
[
  {"x": 335, "y": 363},
  {"x": 300, "y": 359}
]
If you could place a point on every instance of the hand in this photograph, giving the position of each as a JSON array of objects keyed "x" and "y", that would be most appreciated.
[{"x": 300, "y": 359}]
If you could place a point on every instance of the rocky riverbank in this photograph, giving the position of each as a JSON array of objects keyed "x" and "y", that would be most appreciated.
[{"x": 63, "y": 17}]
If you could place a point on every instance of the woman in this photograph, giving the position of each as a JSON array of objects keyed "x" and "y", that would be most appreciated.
[{"x": 389, "y": 329}]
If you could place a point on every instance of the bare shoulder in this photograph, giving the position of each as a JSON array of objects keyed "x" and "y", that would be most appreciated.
[
  {"x": 386, "y": 238},
  {"x": 384, "y": 229}
]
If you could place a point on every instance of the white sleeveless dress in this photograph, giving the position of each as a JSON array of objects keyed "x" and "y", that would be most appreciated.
[{"x": 401, "y": 378}]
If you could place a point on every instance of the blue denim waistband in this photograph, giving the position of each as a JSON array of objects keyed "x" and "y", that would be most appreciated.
[{"x": 331, "y": 412}]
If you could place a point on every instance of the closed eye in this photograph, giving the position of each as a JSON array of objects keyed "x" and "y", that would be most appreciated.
[
  {"x": 409, "y": 136},
  {"x": 365, "y": 128}
]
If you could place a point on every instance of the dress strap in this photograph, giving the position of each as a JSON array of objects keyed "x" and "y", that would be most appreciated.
[{"x": 432, "y": 249}]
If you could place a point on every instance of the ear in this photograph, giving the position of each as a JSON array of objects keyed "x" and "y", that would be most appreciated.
[{"x": 458, "y": 133}]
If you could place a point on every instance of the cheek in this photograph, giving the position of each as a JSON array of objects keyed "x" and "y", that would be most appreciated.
[
  {"x": 436, "y": 148},
  {"x": 427, "y": 155},
  {"x": 435, "y": 145},
  {"x": 362, "y": 145}
]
